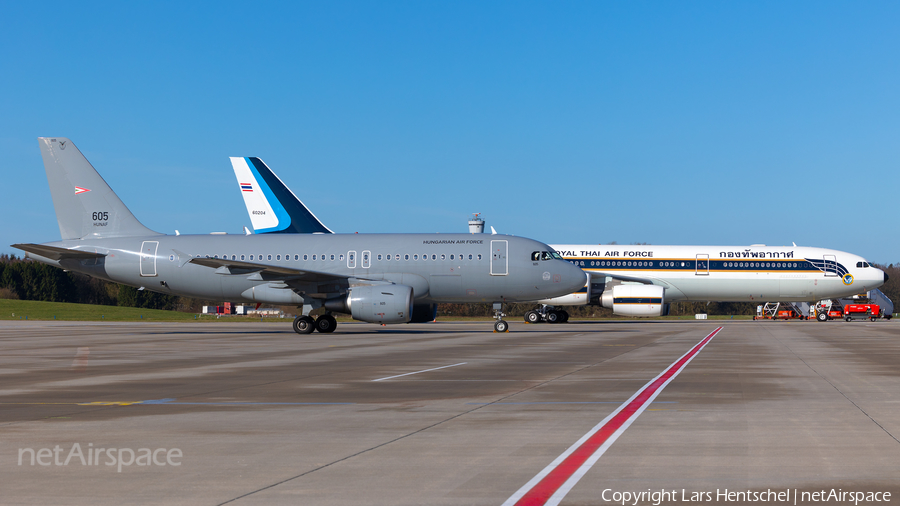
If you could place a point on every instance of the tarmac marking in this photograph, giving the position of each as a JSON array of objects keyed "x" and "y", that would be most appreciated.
[
  {"x": 551, "y": 485},
  {"x": 417, "y": 372}
]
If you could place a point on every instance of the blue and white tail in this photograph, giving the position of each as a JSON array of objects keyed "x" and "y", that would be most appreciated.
[
  {"x": 272, "y": 206},
  {"x": 85, "y": 205}
]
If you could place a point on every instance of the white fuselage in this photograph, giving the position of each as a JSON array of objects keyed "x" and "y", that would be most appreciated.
[{"x": 728, "y": 273}]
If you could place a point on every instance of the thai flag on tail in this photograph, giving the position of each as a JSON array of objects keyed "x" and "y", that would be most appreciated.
[{"x": 247, "y": 187}]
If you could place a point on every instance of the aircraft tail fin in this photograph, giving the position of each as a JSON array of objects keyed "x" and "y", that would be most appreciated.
[
  {"x": 85, "y": 205},
  {"x": 272, "y": 206}
]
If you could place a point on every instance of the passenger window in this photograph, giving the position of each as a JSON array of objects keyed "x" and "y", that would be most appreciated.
[
  {"x": 305, "y": 257},
  {"x": 451, "y": 257},
  {"x": 479, "y": 257},
  {"x": 277, "y": 257},
  {"x": 242, "y": 257},
  {"x": 379, "y": 256},
  {"x": 406, "y": 257},
  {"x": 415, "y": 257},
  {"x": 269, "y": 257},
  {"x": 470, "y": 256},
  {"x": 251, "y": 257},
  {"x": 434, "y": 257},
  {"x": 341, "y": 257},
  {"x": 397, "y": 257},
  {"x": 443, "y": 257},
  {"x": 214, "y": 256}
]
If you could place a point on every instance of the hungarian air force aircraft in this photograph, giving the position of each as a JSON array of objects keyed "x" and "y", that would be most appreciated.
[
  {"x": 630, "y": 280},
  {"x": 378, "y": 278}
]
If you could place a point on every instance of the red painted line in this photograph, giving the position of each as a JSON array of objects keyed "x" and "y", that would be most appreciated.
[{"x": 540, "y": 490}]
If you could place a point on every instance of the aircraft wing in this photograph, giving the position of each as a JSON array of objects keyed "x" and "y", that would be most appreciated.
[
  {"x": 56, "y": 253},
  {"x": 266, "y": 272},
  {"x": 600, "y": 274}
]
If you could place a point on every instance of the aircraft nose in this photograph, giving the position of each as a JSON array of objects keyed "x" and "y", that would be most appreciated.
[{"x": 574, "y": 277}]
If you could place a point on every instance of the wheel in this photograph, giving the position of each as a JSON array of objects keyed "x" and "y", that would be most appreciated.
[
  {"x": 873, "y": 318},
  {"x": 326, "y": 324},
  {"x": 304, "y": 325},
  {"x": 888, "y": 317},
  {"x": 847, "y": 318},
  {"x": 822, "y": 317},
  {"x": 565, "y": 316},
  {"x": 553, "y": 317},
  {"x": 501, "y": 326},
  {"x": 533, "y": 317}
]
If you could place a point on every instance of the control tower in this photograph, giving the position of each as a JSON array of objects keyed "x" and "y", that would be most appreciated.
[{"x": 476, "y": 224}]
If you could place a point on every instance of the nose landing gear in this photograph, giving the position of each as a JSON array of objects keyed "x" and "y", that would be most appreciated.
[{"x": 500, "y": 325}]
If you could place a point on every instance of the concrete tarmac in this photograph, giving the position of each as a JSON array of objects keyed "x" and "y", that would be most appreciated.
[{"x": 245, "y": 413}]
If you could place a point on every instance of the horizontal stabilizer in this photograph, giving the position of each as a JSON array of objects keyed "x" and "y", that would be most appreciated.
[{"x": 55, "y": 253}]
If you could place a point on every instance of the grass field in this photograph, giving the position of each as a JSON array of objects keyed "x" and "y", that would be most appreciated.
[{"x": 35, "y": 310}]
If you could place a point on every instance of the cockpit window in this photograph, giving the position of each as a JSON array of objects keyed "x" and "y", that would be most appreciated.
[
  {"x": 545, "y": 255},
  {"x": 863, "y": 264},
  {"x": 556, "y": 255},
  {"x": 535, "y": 256}
]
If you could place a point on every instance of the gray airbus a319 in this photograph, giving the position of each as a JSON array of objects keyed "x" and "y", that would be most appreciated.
[{"x": 377, "y": 278}]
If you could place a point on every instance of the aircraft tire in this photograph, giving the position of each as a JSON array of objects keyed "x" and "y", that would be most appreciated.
[
  {"x": 533, "y": 317},
  {"x": 565, "y": 316},
  {"x": 822, "y": 317},
  {"x": 304, "y": 325},
  {"x": 326, "y": 324},
  {"x": 501, "y": 326},
  {"x": 553, "y": 317}
]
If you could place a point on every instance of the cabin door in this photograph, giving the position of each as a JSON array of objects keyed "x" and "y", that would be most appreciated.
[
  {"x": 499, "y": 262},
  {"x": 148, "y": 258}
]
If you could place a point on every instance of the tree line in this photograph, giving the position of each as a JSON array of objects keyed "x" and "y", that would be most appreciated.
[{"x": 28, "y": 280}]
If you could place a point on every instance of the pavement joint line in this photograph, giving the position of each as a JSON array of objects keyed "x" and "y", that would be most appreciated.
[
  {"x": 441, "y": 422},
  {"x": 417, "y": 372},
  {"x": 551, "y": 485},
  {"x": 838, "y": 390}
]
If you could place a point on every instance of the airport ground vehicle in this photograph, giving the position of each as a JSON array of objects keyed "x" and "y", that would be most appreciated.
[
  {"x": 857, "y": 309},
  {"x": 781, "y": 311}
]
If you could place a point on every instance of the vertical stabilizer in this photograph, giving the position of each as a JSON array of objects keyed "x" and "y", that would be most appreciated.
[
  {"x": 272, "y": 206},
  {"x": 85, "y": 205}
]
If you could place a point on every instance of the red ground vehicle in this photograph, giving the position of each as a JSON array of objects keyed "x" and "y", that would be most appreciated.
[
  {"x": 861, "y": 311},
  {"x": 834, "y": 310}
]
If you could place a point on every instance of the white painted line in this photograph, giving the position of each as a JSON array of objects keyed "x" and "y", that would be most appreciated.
[
  {"x": 417, "y": 372},
  {"x": 550, "y": 486}
]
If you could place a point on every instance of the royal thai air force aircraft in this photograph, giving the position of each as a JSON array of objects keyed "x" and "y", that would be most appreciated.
[
  {"x": 639, "y": 280},
  {"x": 378, "y": 278}
]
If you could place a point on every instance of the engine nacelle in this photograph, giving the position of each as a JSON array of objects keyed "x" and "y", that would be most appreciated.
[
  {"x": 635, "y": 300},
  {"x": 423, "y": 313},
  {"x": 376, "y": 304}
]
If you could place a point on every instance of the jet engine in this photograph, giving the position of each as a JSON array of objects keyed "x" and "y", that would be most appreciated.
[
  {"x": 376, "y": 304},
  {"x": 635, "y": 300}
]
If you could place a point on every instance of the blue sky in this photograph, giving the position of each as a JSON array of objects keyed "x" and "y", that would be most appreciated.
[{"x": 577, "y": 122}]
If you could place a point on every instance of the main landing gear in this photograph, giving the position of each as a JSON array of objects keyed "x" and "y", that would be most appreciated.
[
  {"x": 306, "y": 325},
  {"x": 500, "y": 325},
  {"x": 547, "y": 314}
]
